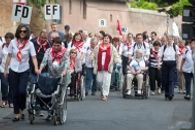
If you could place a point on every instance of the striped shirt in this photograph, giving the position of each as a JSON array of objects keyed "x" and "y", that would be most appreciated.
[{"x": 154, "y": 59}]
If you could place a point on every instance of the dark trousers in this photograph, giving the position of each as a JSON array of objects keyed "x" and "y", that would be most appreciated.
[
  {"x": 155, "y": 75},
  {"x": 90, "y": 80},
  {"x": 188, "y": 79},
  {"x": 169, "y": 77},
  {"x": 18, "y": 81},
  {"x": 125, "y": 62}
]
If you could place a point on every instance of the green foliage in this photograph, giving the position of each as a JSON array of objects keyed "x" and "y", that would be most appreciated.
[
  {"x": 143, "y": 5},
  {"x": 41, "y": 3},
  {"x": 175, "y": 10}
]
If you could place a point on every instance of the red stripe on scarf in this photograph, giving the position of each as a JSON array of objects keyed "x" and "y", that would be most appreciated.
[
  {"x": 78, "y": 44},
  {"x": 43, "y": 43},
  {"x": 57, "y": 56},
  {"x": 107, "y": 59},
  {"x": 20, "y": 47}
]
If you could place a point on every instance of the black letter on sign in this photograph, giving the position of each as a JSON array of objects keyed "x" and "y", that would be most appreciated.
[
  {"x": 18, "y": 9},
  {"x": 54, "y": 9},
  {"x": 25, "y": 12},
  {"x": 48, "y": 9}
]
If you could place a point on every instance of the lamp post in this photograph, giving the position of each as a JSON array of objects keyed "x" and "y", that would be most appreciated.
[{"x": 193, "y": 103}]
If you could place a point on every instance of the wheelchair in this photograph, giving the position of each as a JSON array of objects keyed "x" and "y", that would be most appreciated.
[
  {"x": 144, "y": 90},
  {"x": 76, "y": 87},
  {"x": 47, "y": 94}
]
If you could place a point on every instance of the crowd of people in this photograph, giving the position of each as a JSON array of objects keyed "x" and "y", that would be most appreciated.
[{"x": 168, "y": 61}]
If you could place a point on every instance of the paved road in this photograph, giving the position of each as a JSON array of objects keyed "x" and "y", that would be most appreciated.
[{"x": 117, "y": 114}]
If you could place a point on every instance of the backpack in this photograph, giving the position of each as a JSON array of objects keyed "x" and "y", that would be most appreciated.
[
  {"x": 165, "y": 46},
  {"x": 136, "y": 44}
]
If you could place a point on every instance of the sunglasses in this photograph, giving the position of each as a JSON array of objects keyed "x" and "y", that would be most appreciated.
[
  {"x": 23, "y": 31},
  {"x": 73, "y": 52}
]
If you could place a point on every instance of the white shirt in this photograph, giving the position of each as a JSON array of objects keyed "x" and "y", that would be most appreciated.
[
  {"x": 4, "y": 53},
  {"x": 103, "y": 58},
  {"x": 169, "y": 54},
  {"x": 28, "y": 50},
  {"x": 88, "y": 59},
  {"x": 138, "y": 64},
  {"x": 144, "y": 47},
  {"x": 188, "y": 65}
]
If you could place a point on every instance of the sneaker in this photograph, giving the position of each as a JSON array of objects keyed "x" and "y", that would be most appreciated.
[
  {"x": 128, "y": 92},
  {"x": 187, "y": 97},
  {"x": 152, "y": 92},
  {"x": 159, "y": 91}
]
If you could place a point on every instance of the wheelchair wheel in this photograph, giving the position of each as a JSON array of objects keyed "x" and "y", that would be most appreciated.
[
  {"x": 80, "y": 90},
  {"x": 124, "y": 87},
  {"x": 145, "y": 90},
  {"x": 31, "y": 118}
]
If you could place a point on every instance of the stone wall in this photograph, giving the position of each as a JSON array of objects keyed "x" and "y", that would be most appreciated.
[
  {"x": 6, "y": 24},
  {"x": 134, "y": 19}
]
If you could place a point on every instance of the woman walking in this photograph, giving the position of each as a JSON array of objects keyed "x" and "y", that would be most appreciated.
[
  {"x": 6, "y": 91},
  {"x": 18, "y": 59},
  {"x": 105, "y": 55}
]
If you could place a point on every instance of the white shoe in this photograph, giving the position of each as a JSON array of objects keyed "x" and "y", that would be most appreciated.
[
  {"x": 128, "y": 92},
  {"x": 152, "y": 93},
  {"x": 159, "y": 91},
  {"x": 139, "y": 92}
]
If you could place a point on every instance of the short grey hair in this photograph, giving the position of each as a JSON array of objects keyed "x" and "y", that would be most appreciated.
[{"x": 94, "y": 40}]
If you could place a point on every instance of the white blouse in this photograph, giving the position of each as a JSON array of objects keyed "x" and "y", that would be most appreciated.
[
  {"x": 27, "y": 51},
  {"x": 4, "y": 53}
]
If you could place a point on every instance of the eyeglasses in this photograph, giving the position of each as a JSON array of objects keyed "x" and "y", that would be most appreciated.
[{"x": 24, "y": 31}]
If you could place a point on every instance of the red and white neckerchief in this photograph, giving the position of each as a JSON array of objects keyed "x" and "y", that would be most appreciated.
[
  {"x": 78, "y": 45},
  {"x": 182, "y": 49},
  {"x": 57, "y": 56},
  {"x": 42, "y": 44},
  {"x": 20, "y": 46},
  {"x": 154, "y": 53},
  {"x": 128, "y": 46},
  {"x": 72, "y": 63}
]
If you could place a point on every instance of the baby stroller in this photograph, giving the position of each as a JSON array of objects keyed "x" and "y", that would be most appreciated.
[
  {"x": 144, "y": 90},
  {"x": 47, "y": 94},
  {"x": 77, "y": 89}
]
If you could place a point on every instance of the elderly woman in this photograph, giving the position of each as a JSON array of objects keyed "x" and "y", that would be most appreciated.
[
  {"x": 136, "y": 69},
  {"x": 56, "y": 58},
  {"x": 19, "y": 52},
  {"x": 105, "y": 56},
  {"x": 74, "y": 69}
]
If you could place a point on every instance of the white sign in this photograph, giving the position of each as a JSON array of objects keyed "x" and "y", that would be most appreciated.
[
  {"x": 102, "y": 23},
  {"x": 52, "y": 11},
  {"x": 21, "y": 13}
]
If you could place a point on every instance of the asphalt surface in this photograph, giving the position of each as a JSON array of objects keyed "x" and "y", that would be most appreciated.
[{"x": 117, "y": 114}]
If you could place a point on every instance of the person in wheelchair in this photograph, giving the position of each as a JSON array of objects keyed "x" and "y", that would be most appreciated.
[
  {"x": 136, "y": 69},
  {"x": 75, "y": 69},
  {"x": 56, "y": 58}
]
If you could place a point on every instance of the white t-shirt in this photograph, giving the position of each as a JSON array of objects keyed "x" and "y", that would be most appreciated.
[
  {"x": 27, "y": 51},
  {"x": 188, "y": 65},
  {"x": 169, "y": 54}
]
